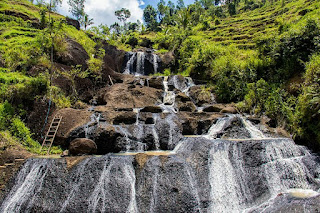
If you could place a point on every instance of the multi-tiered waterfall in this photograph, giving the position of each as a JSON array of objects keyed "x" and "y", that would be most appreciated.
[{"x": 235, "y": 166}]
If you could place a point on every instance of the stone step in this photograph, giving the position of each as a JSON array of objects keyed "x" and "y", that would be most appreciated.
[
  {"x": 9, "y": 164},
  {"x": 3, "y": 167},
  {"x": 19, "y": 160}
]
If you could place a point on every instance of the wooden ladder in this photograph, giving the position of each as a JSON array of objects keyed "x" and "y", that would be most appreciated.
[{"x": 51, "y": 134}]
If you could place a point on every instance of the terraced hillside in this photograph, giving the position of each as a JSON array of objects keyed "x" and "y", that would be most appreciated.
[{"x": 244, "y": 28}]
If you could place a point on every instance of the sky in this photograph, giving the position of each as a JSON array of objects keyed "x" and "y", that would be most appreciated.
[{"x": 102, "y": 11}]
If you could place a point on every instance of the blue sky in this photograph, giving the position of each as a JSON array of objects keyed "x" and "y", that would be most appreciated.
[
  {"x": 154, "y": 3},
  {"x": 102, "y": 11}
]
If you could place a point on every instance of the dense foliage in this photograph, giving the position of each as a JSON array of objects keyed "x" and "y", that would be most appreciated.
[{"x": 263, "y": 55}]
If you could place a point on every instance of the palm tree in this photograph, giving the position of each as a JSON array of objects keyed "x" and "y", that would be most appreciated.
[{"x": 86, "y": 21}]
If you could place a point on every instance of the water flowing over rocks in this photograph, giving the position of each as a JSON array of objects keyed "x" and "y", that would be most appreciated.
[{"x": 166, "y": 146}]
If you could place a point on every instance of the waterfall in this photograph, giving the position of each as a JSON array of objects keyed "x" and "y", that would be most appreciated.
[
  {"x": 222, "y": 123},
  {"x": 102, "y": 199},
  {"x": 136, "y": 63},
  {"x": 23, "y": 194},
  {"x": 140, "y": 63},
  {"x": 218, "y": 127},
  {"x": 254, "y": 132},
  {"x": 168, "y": 98},
  {"x": 129, "y": 66},
  {"x": 234, "y": 167},
  {"x": 155, "y": 63},
  {"x": 223, "y": 182}
]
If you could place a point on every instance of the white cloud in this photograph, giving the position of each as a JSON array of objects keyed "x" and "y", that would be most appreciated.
[{"x": 102, "y": 11}]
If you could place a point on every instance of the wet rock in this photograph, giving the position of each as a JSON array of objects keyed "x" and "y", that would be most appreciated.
[
  {"x": 169, "y": 133},
  {"x": 182, "y": 97},
  {"x": 73, "y": 22},
  {"x": 189, "y": 127},
  {"x": 82, "y": 146},
  {"x": 107, "y": 139},
  {"x": 235, "y": 130},
  {"x": 125, "y": 118},
  {"x": 149, "y": 121},
  {"x": 214, "y": 108},
  {"x": 178, "y": 81},
  {"x": 204, "y": 126},
  {"x": 187, "y": 107},
  {"x": 156, "y": 82},
  {"x": 229, "y": 109},
  {"x": 285, "y": 203},
  {"x": 153, "y": 109}
]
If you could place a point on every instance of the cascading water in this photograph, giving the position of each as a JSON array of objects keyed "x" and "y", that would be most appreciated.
[
  {"x": 222, "y": 123},
  {"x": 137, "y": 62},
  {"x": 140, "y": 63},
  {"x": 216, "y": 172},
  {"x": 129, "y": 66},
  {"x": 155, "y": 63}
]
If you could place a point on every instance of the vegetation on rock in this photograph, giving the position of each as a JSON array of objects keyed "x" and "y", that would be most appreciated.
[{"x": 263, "y": 55}]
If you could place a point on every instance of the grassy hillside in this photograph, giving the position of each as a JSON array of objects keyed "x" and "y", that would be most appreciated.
[{"x": 25, "y": 46}]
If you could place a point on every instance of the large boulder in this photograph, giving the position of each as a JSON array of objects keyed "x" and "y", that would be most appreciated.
[
  {"x": 229, "y": 109},
  {"x": 106, "y": 139},
  {"x": 187, "y": 107},
  {"x": 75, "y": 55},
  {"x": 72, "y": 119},
  {"x": 82, "y": 146},
  {"x": 73, "y": 22},
  {"x": 156, "y": 82},
  {"x": 129, "y": 96},
  {"x": 125, "y": 118},
  {"x": 214, "y": 108}
]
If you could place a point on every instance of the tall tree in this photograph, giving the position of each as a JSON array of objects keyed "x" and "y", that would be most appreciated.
[
  {"x": 161, "y": 9},
  {"x": 180, "y": 4},
  {"x": 172, "y": 8},
  {"x": 123, "y": 14},
  {"x": 149, "y": 16},
  {"x": 77, "y": 8},
  {"x": 207, "y": 3}
]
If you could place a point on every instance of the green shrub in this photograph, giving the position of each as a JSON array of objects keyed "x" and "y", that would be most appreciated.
[
  {"x": 6, "y": 114},
  {"x": 307, "y": 123}
]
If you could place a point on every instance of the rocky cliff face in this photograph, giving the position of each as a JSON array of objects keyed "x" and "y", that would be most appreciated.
[
  {"x": 165, "y": 146},
  {"x": 200, "y": 175}
]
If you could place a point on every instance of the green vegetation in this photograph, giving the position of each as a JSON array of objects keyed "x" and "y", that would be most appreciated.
[
  {"x": 263, "y": 55},
  {"x": 27, "y": 34},
  {"x": 260, "y": 54}
]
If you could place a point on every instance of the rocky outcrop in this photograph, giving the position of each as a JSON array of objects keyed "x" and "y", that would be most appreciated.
[
  {"x": 75, "y": 55},
  {"x": 156, "y": 82},
  {"x": 82, "y": 146},
  {"x": 214, "y": 108},
  {"x": 71, "y": 120},
  {"x": 229, "y": 109},
  {"x": 73, "y": 22},
  {"x": 129, "y": 96},
  {"x": 125, "y": 118}
]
